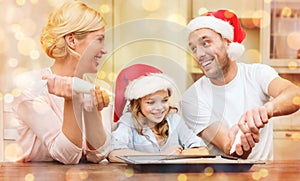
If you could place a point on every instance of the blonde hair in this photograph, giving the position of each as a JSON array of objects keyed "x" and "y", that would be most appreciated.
[
  {"x": 138, "y": 118},
  {"x": 72, "y": 17}
]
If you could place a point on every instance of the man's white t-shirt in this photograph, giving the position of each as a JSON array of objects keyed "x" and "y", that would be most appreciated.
[{"x": 204, "y": 103}]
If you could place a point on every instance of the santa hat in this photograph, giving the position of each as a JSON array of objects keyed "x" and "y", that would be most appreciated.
[
  {"x": 227, "y": 25},
  {"x": 124, "y": 77},
  {"x": 146, "y": 85}
]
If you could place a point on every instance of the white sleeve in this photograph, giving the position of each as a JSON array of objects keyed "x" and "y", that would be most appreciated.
[
  {"x": 264, "y": 74},
  {"x": 122, "y": 137}
]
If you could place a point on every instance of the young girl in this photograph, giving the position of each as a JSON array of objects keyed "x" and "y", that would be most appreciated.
[{"x": 150, "y": 126}]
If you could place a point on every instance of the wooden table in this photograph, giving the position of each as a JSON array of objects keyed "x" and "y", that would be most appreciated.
[{"x": 273, "y": 171}]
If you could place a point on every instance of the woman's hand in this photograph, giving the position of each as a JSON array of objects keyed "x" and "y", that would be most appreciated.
[
  {"x": 60, "y": 86},
  {"x": 99, "y": 100}
]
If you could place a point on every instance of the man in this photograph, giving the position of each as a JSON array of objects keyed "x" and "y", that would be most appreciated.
[{"x": 232, "y": 93}]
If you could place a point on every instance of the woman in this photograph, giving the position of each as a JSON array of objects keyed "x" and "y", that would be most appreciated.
[
  {"x": 150, "y": 127},
  {"x": 56, "y": 122}
]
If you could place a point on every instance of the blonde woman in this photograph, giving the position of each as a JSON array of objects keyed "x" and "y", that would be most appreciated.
[
  {"x": 57, "y": 124},
  {"x": 152, "y": 126}
]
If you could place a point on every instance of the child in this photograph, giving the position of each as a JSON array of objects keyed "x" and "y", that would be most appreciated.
[{"x": 150, "y": 126}]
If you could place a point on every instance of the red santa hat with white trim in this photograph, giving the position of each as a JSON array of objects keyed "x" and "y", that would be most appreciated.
[
  {"x": 127, "y": 75},
  {"x": 225, "y": 23},
  {"x": 148, "y": 84}
]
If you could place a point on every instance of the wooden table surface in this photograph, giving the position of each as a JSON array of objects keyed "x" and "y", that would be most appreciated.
[{"x": 273, "y": 171}]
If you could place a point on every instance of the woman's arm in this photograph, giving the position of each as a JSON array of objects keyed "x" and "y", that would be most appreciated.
[
  {"x": 97, "y": 132},
  {"x": 72, "y": 123},
  {"x": 42, "y": 118},
  {"x": 97, "y": 119},
  {"x": 72, "y": 117}
]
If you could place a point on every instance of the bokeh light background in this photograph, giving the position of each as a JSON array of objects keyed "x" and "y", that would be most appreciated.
[{"x": 22, "y": 21}]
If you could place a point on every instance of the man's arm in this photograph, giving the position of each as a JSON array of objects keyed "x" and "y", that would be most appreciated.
[
  {"x": 216, "y": 134},
  {"x": 222, "y": 137},
  {"x": 285, "y": 95}
]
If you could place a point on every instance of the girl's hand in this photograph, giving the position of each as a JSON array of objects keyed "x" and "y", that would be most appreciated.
[
  {"x": 196, "y": 151},
  {"x": 173, "y": 150}
]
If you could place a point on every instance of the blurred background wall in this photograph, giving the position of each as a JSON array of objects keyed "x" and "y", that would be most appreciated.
[
  {"x": 149, "y": 31},
  {"x": 152, "y": 32}
]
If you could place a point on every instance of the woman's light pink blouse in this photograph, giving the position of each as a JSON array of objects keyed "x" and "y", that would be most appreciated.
[{"x": 40, "y": 132}]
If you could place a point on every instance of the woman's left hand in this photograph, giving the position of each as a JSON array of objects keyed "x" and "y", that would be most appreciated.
[
  {"x": 102, "y": 98},
  {"x": 99, "y": 100}
]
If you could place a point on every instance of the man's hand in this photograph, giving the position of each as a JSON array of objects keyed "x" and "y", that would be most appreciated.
[
  {"x": 243, "y": 149},
  {"x": 254, "y": 119}
]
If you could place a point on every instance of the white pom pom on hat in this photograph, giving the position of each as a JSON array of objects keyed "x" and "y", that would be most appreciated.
[
  {"x": 148, "y": 84},
  {"x": 227, "y": 25}
]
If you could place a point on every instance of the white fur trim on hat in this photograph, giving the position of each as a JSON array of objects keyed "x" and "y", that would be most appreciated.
[
  {"x": 235, "y": 51},
  {"x": 211, "y": 22},
  {"x": 146, "y": 85}
]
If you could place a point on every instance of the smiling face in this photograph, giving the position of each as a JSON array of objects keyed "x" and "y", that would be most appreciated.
[
  {"x": 91, "y": 49},
  {"x": 210, "y": 51},
  {"x": 155, "y": 107}
]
